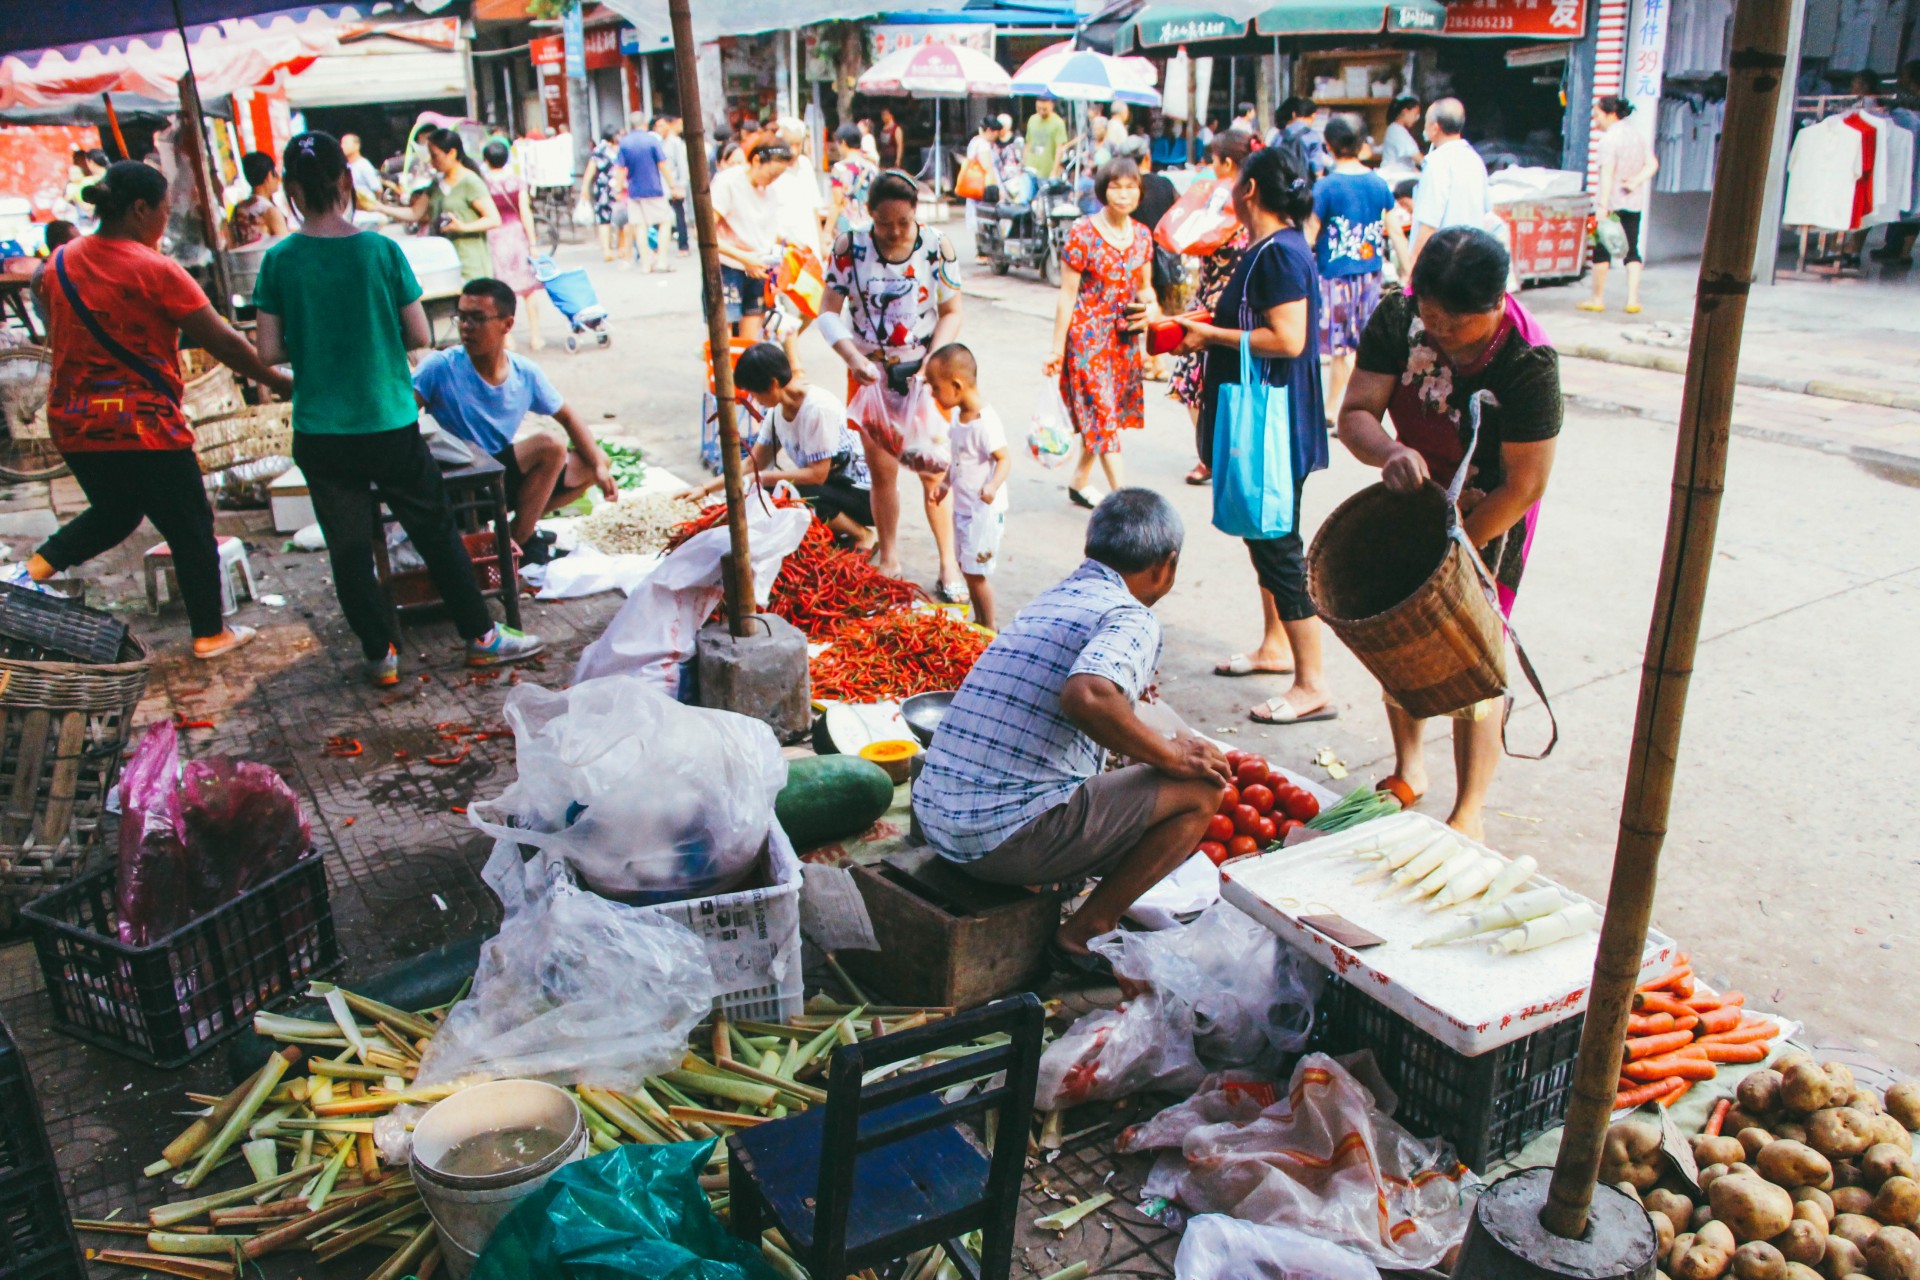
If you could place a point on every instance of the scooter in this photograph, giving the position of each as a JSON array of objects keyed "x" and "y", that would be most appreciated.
[{"x": 1028, "y": 233}]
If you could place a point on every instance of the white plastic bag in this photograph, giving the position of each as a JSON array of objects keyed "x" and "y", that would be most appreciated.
[
  {"x": 1220, "y": 992},
  {"x": 574, "y": 989},
  {"x": 1322, "y": 1157},
  {"x": 640, "y": 794},
  {"x": 655, "y": 630},
  {"x": 1050, "y": 432},
  {"x": 1216, "y": 1247},
  {"x": 910, "y": 426}
]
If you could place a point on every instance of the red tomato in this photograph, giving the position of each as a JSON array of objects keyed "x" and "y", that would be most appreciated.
[
  {"x": 1220, "y": 828},
  {"x": 1245, "y": 816},
  {"x": 1251, "y": 770},
  {"x": 1286, "y": 825},
  {"x": 1228, "y": 798},
  {"x": 1215, "y": 851},
  {"x": 1302, "y": 807},
  {"x": 1265, "y": 832},
  {"x": 1240, "y": 846},
  {"x": 1260, "y": 796},
  {"x": 1235, "y": 757}
]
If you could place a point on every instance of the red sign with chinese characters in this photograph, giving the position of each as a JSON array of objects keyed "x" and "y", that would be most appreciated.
[
  {"x": 547, "y": 51},
  {"x": 1547, "y": 246},
  {"x": 603, "y": 47},
  {"x": 1563, "y": 19}
]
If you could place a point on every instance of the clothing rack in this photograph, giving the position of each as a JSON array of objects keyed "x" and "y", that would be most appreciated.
[{"x": 1831, "y": 259}]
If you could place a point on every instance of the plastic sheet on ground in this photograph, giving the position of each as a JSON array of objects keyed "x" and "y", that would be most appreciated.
[
  {"x": 1324, "y": 1158},
  {"x": 642, "y": 795},
  {"x": 633, "y": 1211},
  {"x": 1189, "y": 889},
  {"x": 587, "y": 571},
  {"x": 655, "y": 630},
  {"x": 1220, "y": 992},
  {"x": 1216, "y": 1247}
]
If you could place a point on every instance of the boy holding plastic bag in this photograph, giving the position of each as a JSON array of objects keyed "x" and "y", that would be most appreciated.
[{"x": 981, "y": 464}]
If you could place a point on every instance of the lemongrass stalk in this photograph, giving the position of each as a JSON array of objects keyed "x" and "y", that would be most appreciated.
[
  {"x": 1066, "y": 1218},
  {"x": 205, "y": 1246},
  {"x": 620, "y": 1115},
  {"x": 352, "y": 1237},
  {"x": 701, "y": 1115},
  {"x": 263, "y": 1157},
  {"x": 188, "y": 1268},
  {"x": 852, "y": 988},
  {"x": 402, "y": 1262},
  {"x": 598, "y": 1123},
  {"x": 742, "y": 1047},
  {"x": 323, "y": 1186},
  {"x": 169, "y": 1215},
  {"x": 723, "y": 1087},
  {"x": 330, "y": 1069},
  {"x": 599, "y": 1142},
  {"x": 275, "y": 1025},
  {"x": 236, "y": 1124},
  {"x": 673, "y": 1096},
  {"x": 348, "y": 1024},
  {"x": 1072, "y": 1271},
  {"x": 194, "y": 1137},
  {"x": 412, "y": 1024}
]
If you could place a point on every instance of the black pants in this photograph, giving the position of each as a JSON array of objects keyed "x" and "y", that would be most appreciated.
[
  {"x": 123, "y": 486},
  {"x": 680, "y": 222},
  {"x": 347, "y": 476},
  {"x": 1281, "y": 564},
  {"x": 1629, "y": 223}
]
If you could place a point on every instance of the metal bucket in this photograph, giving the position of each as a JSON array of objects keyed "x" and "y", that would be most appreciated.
[{"x": 466, "y": 1208}]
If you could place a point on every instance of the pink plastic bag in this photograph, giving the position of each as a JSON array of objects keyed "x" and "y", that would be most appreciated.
[{"x": 153, "y": 886}]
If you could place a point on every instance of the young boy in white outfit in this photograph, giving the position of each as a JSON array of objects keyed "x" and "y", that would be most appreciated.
[{"x": 981, "y": 464}]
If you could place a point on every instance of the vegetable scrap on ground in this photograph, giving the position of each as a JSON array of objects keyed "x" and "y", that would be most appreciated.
[{"x": 313, "y": 1179}]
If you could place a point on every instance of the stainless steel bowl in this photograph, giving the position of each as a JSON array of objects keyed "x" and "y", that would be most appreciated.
[{"x": 924, "y": 711}]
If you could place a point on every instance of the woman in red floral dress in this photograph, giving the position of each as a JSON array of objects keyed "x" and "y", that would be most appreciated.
[{"x": 1106, "y": 270}]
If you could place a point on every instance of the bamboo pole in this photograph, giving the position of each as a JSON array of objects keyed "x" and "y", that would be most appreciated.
[
  {"x": 736, "y": 570},
  {"x": 195, "y": 156},
  {"x": 1699, "y": 475}
]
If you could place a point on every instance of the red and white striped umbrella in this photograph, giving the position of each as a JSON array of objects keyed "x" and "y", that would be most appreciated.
[{"x": 937, "y": 71}]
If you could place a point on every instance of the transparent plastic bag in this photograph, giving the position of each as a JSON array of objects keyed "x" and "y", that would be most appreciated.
[
  {"x": 152, "y": 888},
  {"x": 574, "y": 989},
  {"x": 643, "y": 796},
  {"x": 1220, "y": 992},
  {"x": 1050, "y": 433},
  {"x": 1216, "y": 1247},
  {"x": 925, "y": 444}
]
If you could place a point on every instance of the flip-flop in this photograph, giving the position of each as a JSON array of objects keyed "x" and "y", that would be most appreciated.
[
  {"x": 1081, "y": 498},
  {"x": 1241, "y": 665},
  {"x": 1074, "y": 965},
  {"x": 1397, "y": 785},
  {"x": 236, "y": 636},
  {"x": 1200, "y": 475},
  {"x": 1280, "y": 711},
  {"x": 946, "y": 593}
]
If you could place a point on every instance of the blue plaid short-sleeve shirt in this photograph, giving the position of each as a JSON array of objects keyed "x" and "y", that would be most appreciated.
[{"x": 1006, "y": 752}]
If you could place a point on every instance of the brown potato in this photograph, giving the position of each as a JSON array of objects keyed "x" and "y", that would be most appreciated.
[
  {"x": 1681, "y": 1243},
  {"x": 1857, "y": 1227},
  {"x": 1815, "y": 1196},
  {"x": 1840, "y": 1133},
  {"x": 1897, "y": 1203},
  {"x": 1884, "y": 1160},
  {"x": 1758, "y": 1260},
  {"x": 1702, "y": 1215},
  {"x": 1709, "y": 1256},
  {"x": 1630, "y": 1191},
  {"x": 1841, "y": 1075},
  {"x": 1803, "y": 1241},
  {"x": 1718, "y": 1150},
  {"x": 1753, "y": 1140},
  {"x": 1676, "y": 1206},
  {"x": 1853, "y": 1199},
  {"x": 1791, "y": 1130},
  {"x": 1708, "y": 1174},
  {"x": 1759, "y": 1092},
  {"x": 1903, "y": 1103},
  {"x": 1801, "y": 1271},
  {"x": 1738, "y": 1118},
  {"x": 1752, "y": 1207},
  {"x": 1789, "y": 1059},
  {"x": 1893, "y": 1254},
  {"x": 1805, "y": 1088},
  {"x": 1662, "y": 1231},
  {"x": 1632, "y": 1154},
  {"x": 1843, "y": 1258},
  {"x": 1846, "y": 1173},
  {"x": 1865, "y": 1099},
  {"x": 1888, "y": 1130},
  {"x": 1794, "y": 1164}
]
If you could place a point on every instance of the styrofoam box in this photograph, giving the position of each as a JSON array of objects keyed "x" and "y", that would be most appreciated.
[
  {"x": 291, "y": 502},
  {"x": 1469, "y": 1000},
  {"x": 753, "y": 939}
]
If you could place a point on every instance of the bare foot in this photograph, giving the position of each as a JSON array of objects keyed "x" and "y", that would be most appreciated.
[{"x": 1470, "y": 825}]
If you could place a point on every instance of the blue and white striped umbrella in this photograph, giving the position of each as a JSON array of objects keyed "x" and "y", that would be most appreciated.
[{"x": 1081, "y": 75}]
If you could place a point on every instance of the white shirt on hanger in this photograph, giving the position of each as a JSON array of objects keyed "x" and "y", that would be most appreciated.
[
  {"x": 1892, "y": 172},
  {"x": 1826, "y": 161}
]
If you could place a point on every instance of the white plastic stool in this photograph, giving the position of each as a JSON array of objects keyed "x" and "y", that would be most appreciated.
[{"x": 236, "y": 572}]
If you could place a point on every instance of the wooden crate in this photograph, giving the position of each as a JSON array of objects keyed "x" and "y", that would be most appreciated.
[{"x": 945, "y": 939}]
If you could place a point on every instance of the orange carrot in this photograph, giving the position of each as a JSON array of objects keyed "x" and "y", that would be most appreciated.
[
  {"x": 1678, "y": 1091},
  {"x": 1639, "y": 1094},
  {"x": 1752, "y": 1052},
  {"x": 1654, "y": 1046},
  {"x": 1683, "y": 986},
  {"x": 1686, "y": 1064},
  {"x": 1714, "y": 1021},
  {"x": 1733, "y": 999},
  {"x": 1665, "y": 980},
  {"x": 1687, "y": 1023},
  {"x": 1659, "y": 1002},
  {"x": 1746, "y": 1033},
  {"x": 1650, "y": 1024},
  {"x": 1718, "y": 1119}
]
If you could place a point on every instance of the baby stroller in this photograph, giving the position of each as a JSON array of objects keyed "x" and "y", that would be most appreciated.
[{"x": 573, "y": 297}]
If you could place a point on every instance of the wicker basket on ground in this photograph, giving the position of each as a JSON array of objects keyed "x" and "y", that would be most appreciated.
[
  {"x": 64, "y": 728},
  {"x": 247, "y": 434}
]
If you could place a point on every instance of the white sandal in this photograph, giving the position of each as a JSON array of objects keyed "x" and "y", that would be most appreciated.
[
  {"x": 1241, "y": 665},
  {"x": 1280, "y": 711}
]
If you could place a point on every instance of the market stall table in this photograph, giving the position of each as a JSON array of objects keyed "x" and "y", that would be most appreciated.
[{"x": 14, "y": 284}]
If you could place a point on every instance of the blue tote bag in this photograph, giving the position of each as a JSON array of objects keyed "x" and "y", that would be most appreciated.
[{"x": 1252, "y": 453}]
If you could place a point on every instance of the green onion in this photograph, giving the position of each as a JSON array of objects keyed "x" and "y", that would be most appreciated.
[{"x": 1362, "y": 804}]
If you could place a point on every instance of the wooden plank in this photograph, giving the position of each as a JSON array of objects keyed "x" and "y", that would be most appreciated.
[
  {"x": 51, "y": 826},
  {"x": 24, "y": 800}
]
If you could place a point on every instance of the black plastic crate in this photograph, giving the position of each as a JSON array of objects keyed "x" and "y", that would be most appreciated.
[
  {"x": 59, "y": 626},
  {"x": 1487, "y": 1106},
  {"x": 23, "y": 1138},
  {"x": 170, "y": 1001},
  {"x": 36, "y": 1235}
]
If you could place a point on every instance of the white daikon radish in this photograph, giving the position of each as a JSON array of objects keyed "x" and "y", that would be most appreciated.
[
  {"x": 1511, "y": 877},
  {"x": 1409, "y": 852},
  {"x": 1468, "y": 883},
  {"x": 1433, "y": 856},
  {"x": 1436, "y": 879},
  {"x": 1371, "y": 838},
  {"x": 1514, "y": 911},
  {"x": 1577, "y": 919}
]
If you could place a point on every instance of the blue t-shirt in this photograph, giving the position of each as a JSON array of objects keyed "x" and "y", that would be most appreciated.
[
  {"x": 1272, "y": 273},
  {"x": 472, "y": 408},
  {"x": 642, "y": 154},
  {"x": 1350, "y": 206}
]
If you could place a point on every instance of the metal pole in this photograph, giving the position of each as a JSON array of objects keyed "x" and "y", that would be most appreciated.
[
  {"x": 1754, "y": 80},
  {"x": 736, "y": 570}
]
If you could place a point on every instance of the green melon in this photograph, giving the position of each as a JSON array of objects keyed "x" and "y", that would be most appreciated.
[{"x": 829, "y": 798}]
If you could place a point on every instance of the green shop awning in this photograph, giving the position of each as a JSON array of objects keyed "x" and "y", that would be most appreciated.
[{"x": 1165, "y": 26}]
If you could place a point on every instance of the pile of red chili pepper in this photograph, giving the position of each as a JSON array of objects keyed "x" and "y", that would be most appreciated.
[
  {"x": 821, "y": 586},
  {"x": 894, "y": 656}
]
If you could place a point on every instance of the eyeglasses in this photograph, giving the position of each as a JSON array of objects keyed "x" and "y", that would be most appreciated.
[{"x": 464, "y": 316}]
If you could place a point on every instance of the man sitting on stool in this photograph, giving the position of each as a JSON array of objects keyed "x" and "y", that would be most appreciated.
[{"x": 481, "y": 392}]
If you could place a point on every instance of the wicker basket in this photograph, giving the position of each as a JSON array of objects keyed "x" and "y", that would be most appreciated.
[
  {"x": 64, "y": 728},
  {"x": 248, "y": 434},
  {"x": 1399, "y": 591},
  {"x": 211, "y": 394}
]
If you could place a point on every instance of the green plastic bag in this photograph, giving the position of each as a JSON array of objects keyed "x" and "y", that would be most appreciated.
[{"x": 634, "y": 1211}]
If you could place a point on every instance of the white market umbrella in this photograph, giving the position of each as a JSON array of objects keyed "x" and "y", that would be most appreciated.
[
  {"x": 1082, "y": 75},
  {"x": 937, "y": 71}
]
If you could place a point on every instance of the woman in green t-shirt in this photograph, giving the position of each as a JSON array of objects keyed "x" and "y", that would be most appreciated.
[
  {"x": 456, "y": 204},
  {"x": 342, "y": 306}
]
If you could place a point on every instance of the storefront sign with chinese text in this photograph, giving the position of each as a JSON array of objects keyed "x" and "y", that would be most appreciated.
[
  {"x": 1564, "y": 18},
  {"x": 894, "y": 36}
]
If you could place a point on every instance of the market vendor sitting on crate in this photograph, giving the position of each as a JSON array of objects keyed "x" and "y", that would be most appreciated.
[
  {"x": 1012, "y": 790},
  {"x": 481, "y": 392},
  {"x": 829, "y": 468}
]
